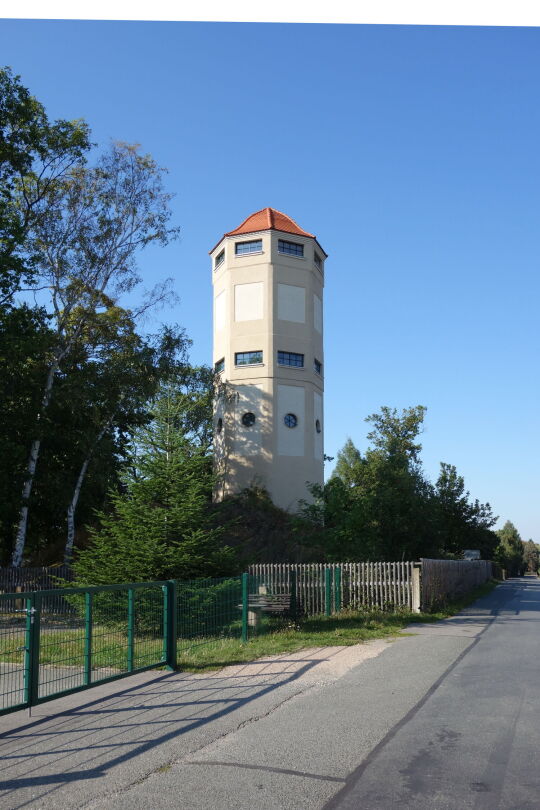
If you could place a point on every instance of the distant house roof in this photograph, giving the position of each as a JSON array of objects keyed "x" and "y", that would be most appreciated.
[{"x": 265, "y": 220}]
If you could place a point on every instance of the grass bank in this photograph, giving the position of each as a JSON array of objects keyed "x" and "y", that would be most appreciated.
[{"x": 345, "y": 629}]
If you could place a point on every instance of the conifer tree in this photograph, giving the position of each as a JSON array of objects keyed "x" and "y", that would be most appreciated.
[
  {"x": 531, "y": 556},
  {"x": 160, "y": 526},
  {"x": 509, "y": 552}
]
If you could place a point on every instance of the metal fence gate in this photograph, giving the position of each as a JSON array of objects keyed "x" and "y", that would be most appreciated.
[{"x": 56, "y": 642}]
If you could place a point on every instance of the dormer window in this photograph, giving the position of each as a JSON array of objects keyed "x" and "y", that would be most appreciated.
[
  {"x": 220, "y": 258},
  {"x": 291, "y": 248},
  {"x": 243, "y": 248}
]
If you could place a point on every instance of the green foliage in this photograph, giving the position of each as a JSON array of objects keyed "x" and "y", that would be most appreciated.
[
  {"x": 35, "y": 155},
  {"x": 262, "y": 532},
  {"x": 209, "y": 607},
  {"x": 348, "y": 464},
  {"x": 380, "y": 506},
  {"x": 25, "y": 338},
  {"x": 461, "y": 523},
  {"x": 393, "y": 434},
  {"x": 103, "y": 388},
  {"x": 159, "y": 527},
  {"x": 509, "y": 552},
  {"x": 531, "y": 556},
  {"x": 376, "y": 506}
]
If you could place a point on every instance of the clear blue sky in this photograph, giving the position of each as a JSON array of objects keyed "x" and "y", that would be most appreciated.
[{"x": 411, "y": 152}]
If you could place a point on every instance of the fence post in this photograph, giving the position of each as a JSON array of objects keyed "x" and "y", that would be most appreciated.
[
  {"x": 170, "y": 621},
  {"x": 337, "y": 590},
  {"x": 34, "y": 612},
  {"x": 245, "y": 589},
  {"x": 416, "y": 594},
  {"x": 294, "y": 610},
  {"x": 130, "y": 628},
  {"x": 88, "y": 638},
  {"x": 28, "y": 640},
  {"x": 328, "y": 591}
]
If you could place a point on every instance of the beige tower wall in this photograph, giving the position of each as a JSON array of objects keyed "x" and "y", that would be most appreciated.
[{"x": 269, "y": 302}]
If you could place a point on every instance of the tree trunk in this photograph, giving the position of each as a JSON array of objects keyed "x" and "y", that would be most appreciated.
[
  {"x": 68, "y": 551},
  {"x": 20, "y": 540}
]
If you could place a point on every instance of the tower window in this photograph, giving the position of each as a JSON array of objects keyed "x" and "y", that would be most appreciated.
[
  {"x": 253, "y": 246},
  {"x": 220, "y": 258},
  {"x": 248, "y": 358},
  {"x": 317, "y": 366},
  {"x": 318, "y": 261},
  {"x": 290, "y": 359},
  {"x": 291, "y": 420},
  {"x": 219, "y": 366},
  {"x": 219, "y": 426},
  {"x": 317, "y": 425},
  {"x": 248, "y": 419},
  {"x": 292, "y": 248}
]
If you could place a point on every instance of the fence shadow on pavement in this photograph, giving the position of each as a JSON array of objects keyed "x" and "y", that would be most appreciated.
[{"x": 87, "y": 741}]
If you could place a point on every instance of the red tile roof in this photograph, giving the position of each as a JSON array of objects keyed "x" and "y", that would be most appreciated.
[{"x": 265, "y": 220}]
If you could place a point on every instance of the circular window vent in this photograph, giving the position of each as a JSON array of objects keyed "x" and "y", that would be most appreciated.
[
  {"x": 290, "y": 420},
  {"x": 219, "y": 425},
  {"x": 317, "y": 426},
  {"x": 248, "y": 419}
]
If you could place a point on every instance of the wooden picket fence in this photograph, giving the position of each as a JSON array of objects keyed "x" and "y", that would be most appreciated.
[
  {"x": 385, "y": 585},
  {"x": 447, "y": 579}
]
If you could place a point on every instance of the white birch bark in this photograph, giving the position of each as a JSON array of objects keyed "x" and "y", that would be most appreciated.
[
  {"x": 20, "y": 539},
  {"x": 68, "y": 551}
]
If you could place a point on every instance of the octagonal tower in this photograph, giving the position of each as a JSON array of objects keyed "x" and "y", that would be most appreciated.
[{"x": 268, "y": 279}]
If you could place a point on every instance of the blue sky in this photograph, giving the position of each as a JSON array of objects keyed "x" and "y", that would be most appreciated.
[{"x": 411, "y": 152}]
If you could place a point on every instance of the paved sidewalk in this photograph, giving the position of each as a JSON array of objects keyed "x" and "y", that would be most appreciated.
[{"x": 93, "y": 744}]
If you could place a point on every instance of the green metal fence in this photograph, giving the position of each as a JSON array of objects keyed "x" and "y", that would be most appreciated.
[
  {"x": 209, "y": 610},
  {"x": 56, "y": 642},
  {"x": 313, "y": 589},
  {"x": 14, "y": 640},
  {"x": 60, "y": 641}
]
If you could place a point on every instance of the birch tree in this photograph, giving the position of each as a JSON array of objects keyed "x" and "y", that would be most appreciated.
[
  {"x": 86, "y": 237},
  {"x": 35, "y": 154}
]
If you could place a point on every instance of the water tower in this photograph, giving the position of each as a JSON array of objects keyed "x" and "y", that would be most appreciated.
[{"x": 268, "y": 279}]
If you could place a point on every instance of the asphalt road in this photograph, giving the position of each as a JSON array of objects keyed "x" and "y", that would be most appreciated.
[
  {"x": 474, "y": 739},
  {"x": 446, "y": 718}
]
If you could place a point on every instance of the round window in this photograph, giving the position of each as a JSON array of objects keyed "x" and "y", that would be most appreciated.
[
  {"x": 317, "y": 426},
  {"x": 290, "y": 420},
  {"x": 219, "y": 425},
  {"x": 248, "y": 419}
]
